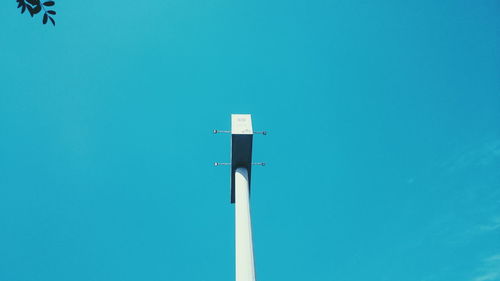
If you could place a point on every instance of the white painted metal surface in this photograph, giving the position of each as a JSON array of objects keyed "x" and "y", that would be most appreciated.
[
  {"x": 241, "y": 124},
  {"x": 245, "y": 270}
]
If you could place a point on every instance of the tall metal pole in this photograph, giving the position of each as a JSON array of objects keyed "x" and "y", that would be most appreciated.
[
  {"x": 245, "y": 270},
  {"x": 241, "y": 170}
]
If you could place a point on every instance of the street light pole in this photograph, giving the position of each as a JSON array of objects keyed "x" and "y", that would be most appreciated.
[
  {"x": 241, "y": 169},
  {"x": 245, "y": 268}
]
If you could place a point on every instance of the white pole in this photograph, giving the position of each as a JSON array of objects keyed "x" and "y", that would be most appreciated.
[{"x": 245, "y": 270}]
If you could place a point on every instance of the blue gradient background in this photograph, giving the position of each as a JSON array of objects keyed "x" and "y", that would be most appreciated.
[{"x": 383, "y": 153}]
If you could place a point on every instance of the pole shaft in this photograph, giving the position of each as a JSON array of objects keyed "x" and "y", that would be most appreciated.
[{"x": 245, "y": 270}]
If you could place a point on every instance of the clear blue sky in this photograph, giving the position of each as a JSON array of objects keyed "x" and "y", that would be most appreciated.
[{"x": 383, "y": 153}]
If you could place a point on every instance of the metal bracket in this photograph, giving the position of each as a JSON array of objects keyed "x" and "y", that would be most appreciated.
[
  {"x": 264, "y": 133},
  {"x": 241, "y": 147},
  {"x": 229, "y": 164}
]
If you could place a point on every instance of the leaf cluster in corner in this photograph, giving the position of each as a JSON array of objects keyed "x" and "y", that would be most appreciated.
[{"x": 36, "y": 6}]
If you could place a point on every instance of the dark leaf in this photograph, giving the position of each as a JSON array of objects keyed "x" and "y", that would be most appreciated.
[
  {"x": 37, "y": 9},
  {"x": 52, "y": 20},
  {"x": 45, "y": 17},
  {"x": 23, "y": 9},
  {"x": 51, "y": 12},
  {"x": 19, "y": 5},
  {"x": 49, "y": 3},
  {"x": 30, "y": 10},
  {"x": 33, "y": 2}
]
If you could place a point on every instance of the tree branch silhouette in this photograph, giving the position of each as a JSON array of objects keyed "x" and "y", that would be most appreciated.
[{"x": 36, "y": 6}]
